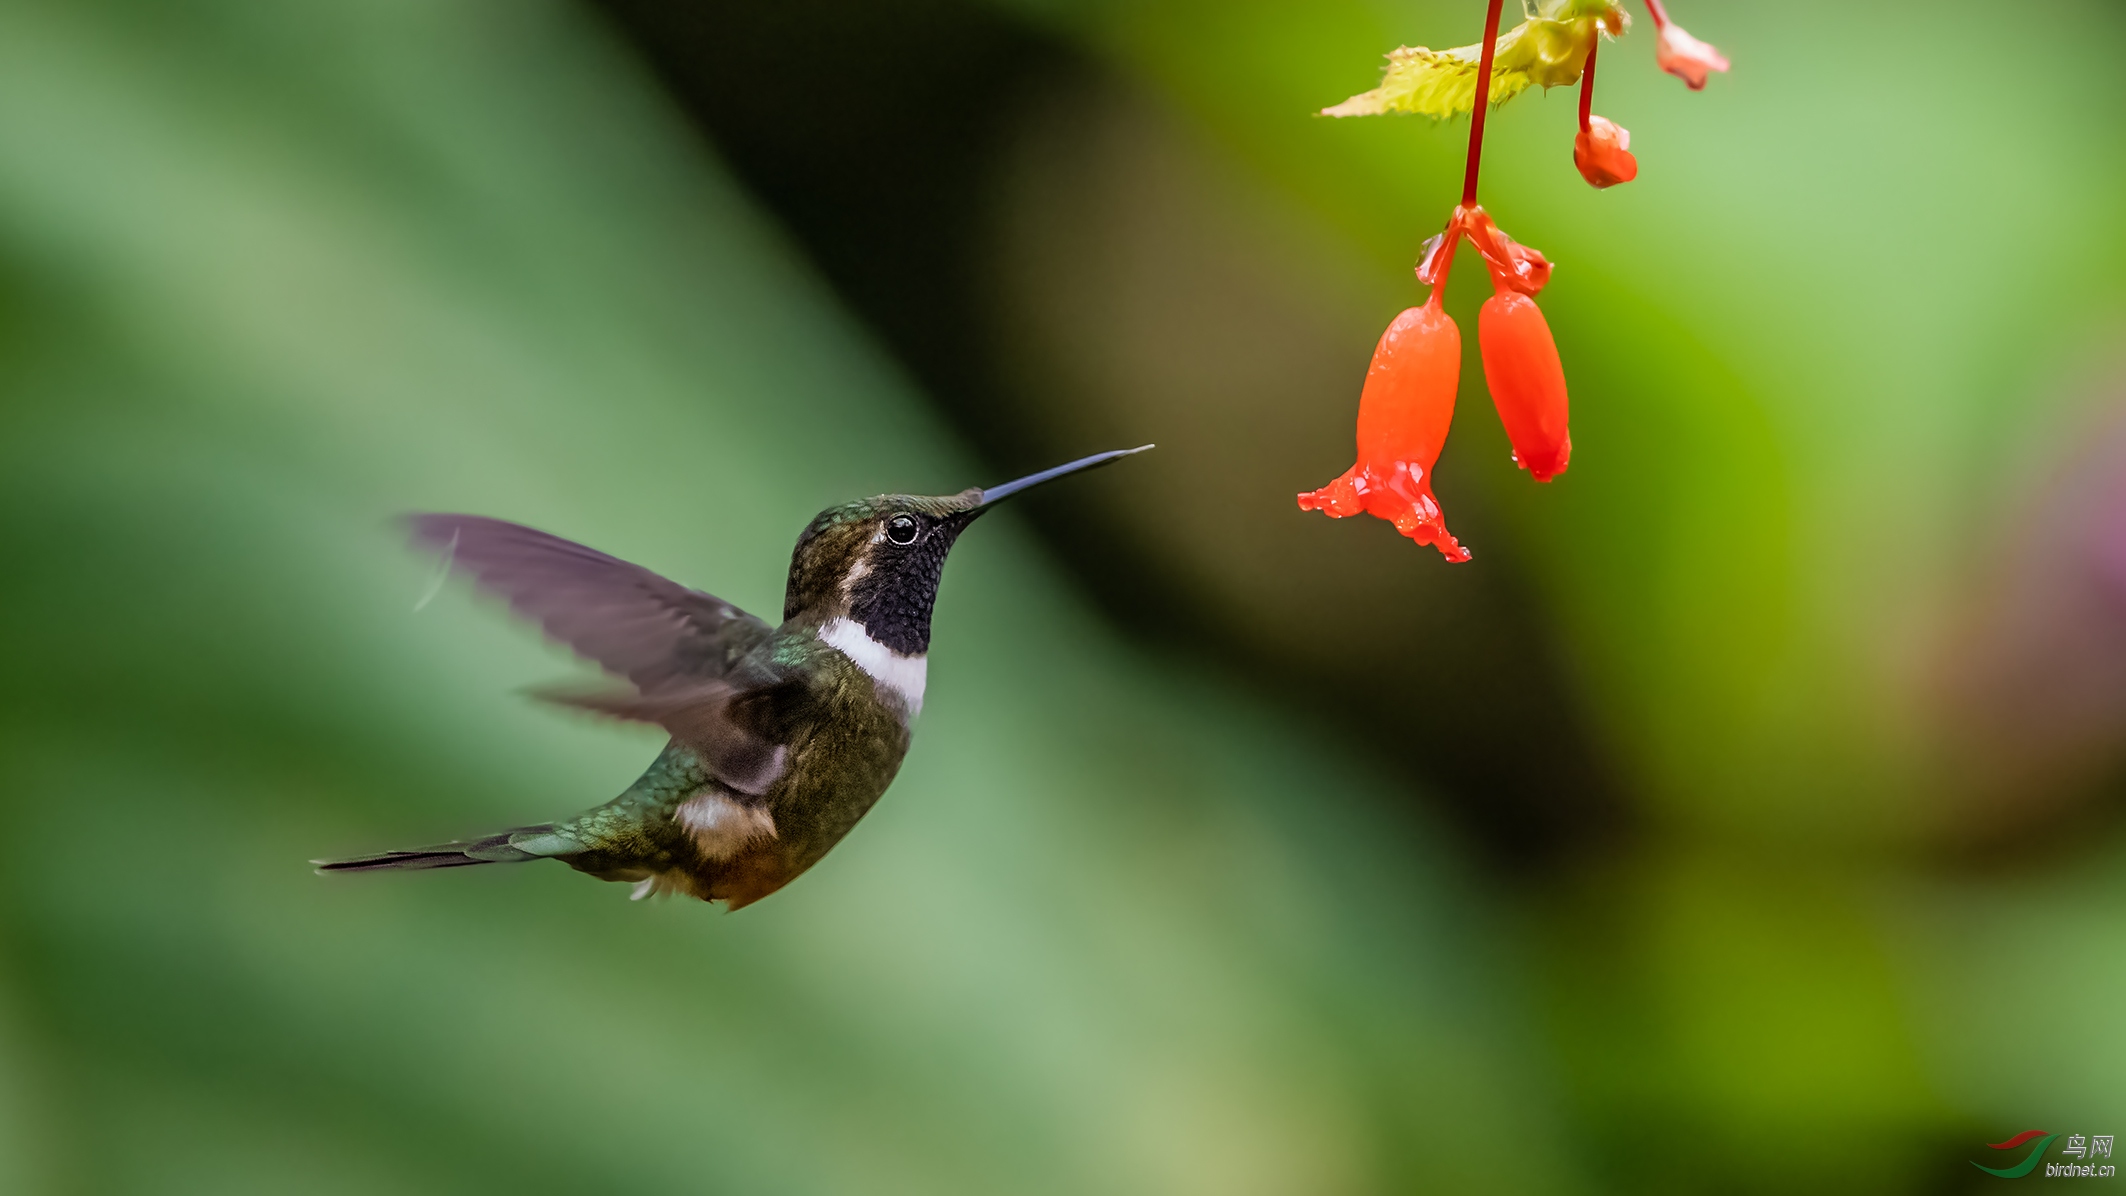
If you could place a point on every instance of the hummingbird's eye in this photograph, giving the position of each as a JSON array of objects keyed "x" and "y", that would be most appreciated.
[{"x": 903, "y": 530}]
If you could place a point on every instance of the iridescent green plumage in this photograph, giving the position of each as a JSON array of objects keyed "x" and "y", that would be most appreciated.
[{"x": 782, "y": 738}]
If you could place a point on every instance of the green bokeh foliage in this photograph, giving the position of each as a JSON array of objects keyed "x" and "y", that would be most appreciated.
[
  {"x": 1861, "y": 301},
  {"x": 270, "y": 274},
  {"x": 273, "y": 274}
]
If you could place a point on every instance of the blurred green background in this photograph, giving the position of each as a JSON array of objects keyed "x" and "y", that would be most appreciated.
[{"x": 1745, "y": 816}]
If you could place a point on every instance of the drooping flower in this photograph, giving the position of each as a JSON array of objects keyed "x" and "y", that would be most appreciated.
[
  {"x": 1403, "y": 414},
  {"x": 1408, "y": 401},
  {"x": 1527, "y": 382},
  {"x": 1521, "y": 367},
  {"x": 1680, "y": 54}
]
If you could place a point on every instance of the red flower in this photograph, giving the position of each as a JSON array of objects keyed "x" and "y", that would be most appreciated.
[
  {"x": 1521, "y": 366},
  {"x": 1408, "y": 400},
  {"x": 1527, "y": 382},
  {"x": 1403, "y": 414}
]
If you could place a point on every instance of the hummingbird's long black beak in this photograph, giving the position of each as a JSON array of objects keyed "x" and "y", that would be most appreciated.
[{"x": 996, "y": 494}]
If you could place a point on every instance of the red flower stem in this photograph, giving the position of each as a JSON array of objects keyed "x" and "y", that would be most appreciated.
[
  {"x": 1483, "y": 99},
  {"x": 1587, "y": 81},
  {"x": 1658, "y": 13}
]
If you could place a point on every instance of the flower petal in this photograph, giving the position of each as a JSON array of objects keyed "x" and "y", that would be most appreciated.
[{"x": 1685, "y": 57}]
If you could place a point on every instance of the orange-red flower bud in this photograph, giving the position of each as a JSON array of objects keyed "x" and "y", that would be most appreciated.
[
  {"x": 1685, "y": 57},
  {"x": 1602, "y": 151},
  {"x": 1403, "y": 414},
  {"x": 1527, "y": 382}
]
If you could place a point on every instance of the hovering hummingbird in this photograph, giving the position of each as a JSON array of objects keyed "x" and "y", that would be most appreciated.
[{"x": 781, "y": 737}]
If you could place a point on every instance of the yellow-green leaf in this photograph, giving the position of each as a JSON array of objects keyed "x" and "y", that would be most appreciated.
[{"x": 1547, "y": 50}]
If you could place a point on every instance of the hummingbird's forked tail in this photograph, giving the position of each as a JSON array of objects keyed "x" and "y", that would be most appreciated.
[{"x": 494, "y": 849}]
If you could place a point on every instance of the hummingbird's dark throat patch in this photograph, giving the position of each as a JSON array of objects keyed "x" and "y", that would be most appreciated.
[
  {"x": 878, "y": 560},
  {"x": 892, "y": 597}
]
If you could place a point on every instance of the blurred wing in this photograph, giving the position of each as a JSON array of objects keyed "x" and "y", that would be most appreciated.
[
  {"x": 658, "y": 634},
  {"x": 723, "y": 723}
]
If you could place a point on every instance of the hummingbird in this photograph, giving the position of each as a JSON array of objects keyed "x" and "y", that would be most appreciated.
[{"x": 781, "y": 738}]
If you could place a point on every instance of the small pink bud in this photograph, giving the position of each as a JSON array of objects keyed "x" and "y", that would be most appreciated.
[{"x": 1685, "y": 57}]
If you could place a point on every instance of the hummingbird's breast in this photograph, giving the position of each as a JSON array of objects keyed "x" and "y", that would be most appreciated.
[
  {"x": 894, "y": 677},
  {"x": 838, "y": 762}
]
